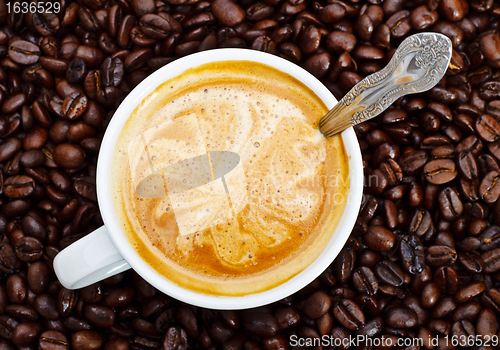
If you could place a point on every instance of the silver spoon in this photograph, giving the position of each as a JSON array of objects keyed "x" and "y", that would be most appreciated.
[{"x": 417, "y": 66}]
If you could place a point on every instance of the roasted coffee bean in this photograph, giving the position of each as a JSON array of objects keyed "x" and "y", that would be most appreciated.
[
  {"x": 471, "y": 262},
  {"x": 413, "y": 302},
  {"x": 9, "y": 263},
  {"x": 120, "y": 297},
  {"x": 469, "y": 291},
  {"x": 92, "y": 293},
  {"x": 490, "y": 90},
  {"x": 317, "y": 305},
  {"x": 76, "y": 70},
  {"x": 154, "y": 26},
  {"x": 466, "y": 311},
  {"x": 76, "y": 324},
  {"x": 24, "y": 52},
  {"x": 412, "y": 162},
  {"x": 14, "y": 102},
  {"x": 18, "y": 186},
  {"x": 383, "y": 153},
  {"x": 364, "y": 281},
  {"x": 440, "y": 171},
  {"x": 265, "y": 43},
  {"x": 443, "y": 307},
  {"x": 412, "y": 254},
  {"x": 338, "y": 42},
  {"x": 462, "y": 330},
  {"x": 22, "y": 311},
  {"x": 332, "y": 13},
  {"x": 400, "y": 317},
  {"x": 3, "y": 299},
  {"x": 137, "y": 58},
  {"x": 46, "y": 306},
  {"x": 16, "y": 288},
  {"x": 144, "y": 327},
  {"x": 488, "y": 43},
  {"x": 364, "y": 27},
  {"x": 53, "y": 340},
  {"x": 367, "y": 52},
  {"x": 228, "y": 12},
  {"x": 287, "y": 318},
  {"x": 33, "y": 225},
  {"x": 41, "y": 115},
  {"x": 259, "y": 323},
  {"x": 175, "y": 338},
  {"x": 66, "y": 301},
  {"x": 100, "y": 315},
  {"x": 92, "y": 56},
  {"x": 447, "y": 279},
  {"x": 379, "y": 238},
  {"x": 86, "y": 339},
  {"x": 79, "y": 131},
  {"x": 490, "y": 238},
  {"x": 488, "y": 128},
  {"x": 449, "y": 204},
  {"x": 28, "y": 249},
  {"x": 7, "y": 326},
  {"x": 26, "y": 333},
  {"x": 57, "y": 196},
  {"x": 421, "y": 224},
  {"x": 489, "y": 189},
  {"x": 38, "y": 276},
  {"x": 94, "y": 114},
  {"x": 491, "y": 298},
  {"x": 430, "y": 295},
  {"x": 92, "y": 84},
  {"x": 389, "y": 272},
  {"x": 69, "y": 155},
  {"x": 112, "y": 71},
  {"x": 439, "y": 255},
  {"x": 467, "y": 165},
  {"x": 32, "y": 158},
  {"x": 487, "y": 163},
  {"x": 74, "y": 105},
  {"x": 187, "y": 319},
  {"x": 164, "y": 320},
  {"x": 318, "y": 64},
  {"x": 348, "y": 313},
  {"x": 443, "y": 152},
  {"x": 491, "y": 260},
  {"x": 392, "y": 172},
  {"x": 117, "y": 343},
  {"x": 422, "y": 18},
  {"x": 399, "y": 24},
  {"x": 9, "y": 147},
  {"x": 343, "y": 265},
  {"x": 16, "y": 207},
  {"x": 487, "y": 323}
]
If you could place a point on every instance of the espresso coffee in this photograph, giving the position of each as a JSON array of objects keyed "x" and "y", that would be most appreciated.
[{"x": 224, "y": 183}]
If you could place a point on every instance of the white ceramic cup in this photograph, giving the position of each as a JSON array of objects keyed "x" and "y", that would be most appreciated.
[{"x": 106, "y": 251}]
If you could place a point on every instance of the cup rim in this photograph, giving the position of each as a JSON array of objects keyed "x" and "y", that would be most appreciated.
[{"x": 110, "y": 219}]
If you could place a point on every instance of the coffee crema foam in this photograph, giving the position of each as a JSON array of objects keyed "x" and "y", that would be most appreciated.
[{"x": 223, "y": 181}]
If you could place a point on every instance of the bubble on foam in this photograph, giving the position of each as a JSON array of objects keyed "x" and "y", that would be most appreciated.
[{"x": 243, "y": 120}]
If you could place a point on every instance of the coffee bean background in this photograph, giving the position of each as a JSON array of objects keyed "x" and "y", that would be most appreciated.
[{"x": 424, "y": 257}]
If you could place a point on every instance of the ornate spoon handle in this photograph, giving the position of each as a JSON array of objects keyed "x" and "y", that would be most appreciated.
[{"x": 417, "y": 66}]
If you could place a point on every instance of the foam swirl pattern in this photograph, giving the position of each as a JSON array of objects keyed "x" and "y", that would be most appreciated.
[{"x": 206, "y": 219}]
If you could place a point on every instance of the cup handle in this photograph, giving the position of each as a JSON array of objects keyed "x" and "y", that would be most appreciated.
[{"x": 89, "y": 260}]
